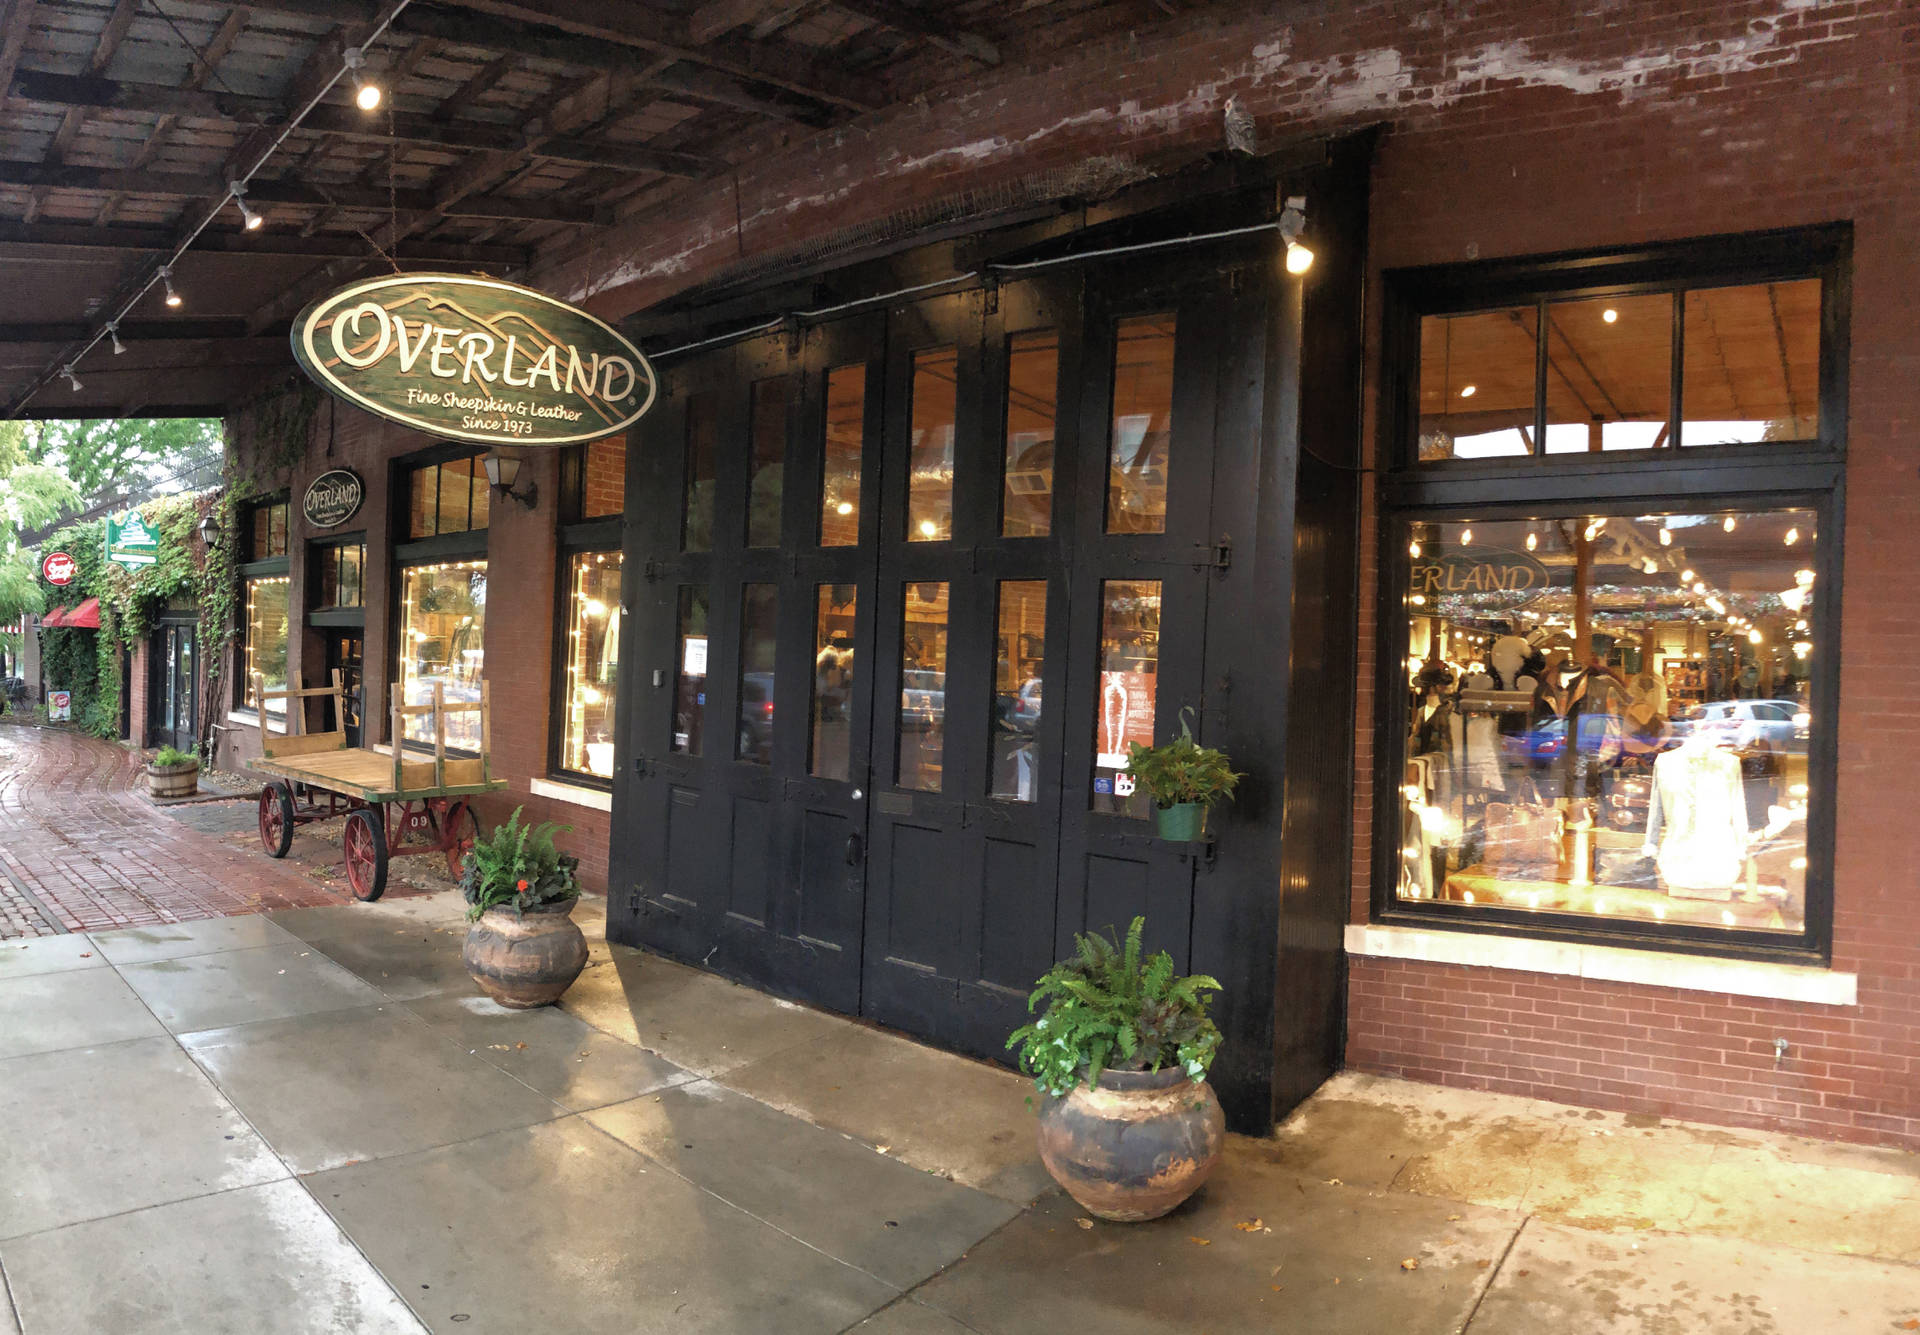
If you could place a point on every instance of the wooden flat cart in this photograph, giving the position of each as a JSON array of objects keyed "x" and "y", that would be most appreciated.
[{"x": 396, "y": 805}]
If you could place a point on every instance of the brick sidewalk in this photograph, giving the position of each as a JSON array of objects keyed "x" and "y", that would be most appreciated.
[{"x": 80, "y": 849}]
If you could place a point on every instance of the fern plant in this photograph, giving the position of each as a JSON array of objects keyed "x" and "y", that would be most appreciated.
[
  {"x": 168, "y": 756},
  {"x": 517, "y": 867},
  {"x": 1109, "y": 1009}
]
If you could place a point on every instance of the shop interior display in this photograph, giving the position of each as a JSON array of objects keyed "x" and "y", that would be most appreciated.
[{"x": 1608, "y": 715}]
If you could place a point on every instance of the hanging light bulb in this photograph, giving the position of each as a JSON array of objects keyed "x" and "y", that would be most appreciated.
[
  {"x": 1686, "y": 576},
  {"x": 1609, "y": 315},
  {"x": 1754, "y": 637},
  {"x": 366, "y": 93},
  {"x": 1666, "y": 536},
  {"x": 248, "y": 218},
  {"x": 1793, "y": 536},
  {"x": 1468, "y": 391},
  {"x": 1727, "y": 523},
  {"x": 1413, "y": 548},
  {"x": 1466, "y": 536},
  {"x": 72, "y": 379},
  {"x": 113, "y": 332},
  {"x": 1533, "y": 540},
  {"x": 166, "y": 277}
]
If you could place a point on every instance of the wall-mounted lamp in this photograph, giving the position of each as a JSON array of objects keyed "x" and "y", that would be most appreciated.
[
  {"x": 1293, "y": 221},
  {"x": 503, "y": 470},
  {"x": 210, "y": 530}
]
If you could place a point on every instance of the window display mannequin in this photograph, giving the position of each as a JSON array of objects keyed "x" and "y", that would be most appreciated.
[{"x": 1697, "y": 820}]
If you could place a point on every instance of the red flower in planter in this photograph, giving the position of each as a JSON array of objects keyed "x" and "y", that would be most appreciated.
[{"x": 521, "y": 886}]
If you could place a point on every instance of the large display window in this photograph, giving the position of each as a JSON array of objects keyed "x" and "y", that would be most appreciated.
[
  {"x": 1609, "y": 647},
  {"x": 1608, "y": 714},
  {"x": 592, "y": 668},
  {"x": 266, "y": 638}
]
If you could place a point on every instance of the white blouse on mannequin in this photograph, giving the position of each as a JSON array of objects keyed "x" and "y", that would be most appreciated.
[{"x": 1697, "y": 819}]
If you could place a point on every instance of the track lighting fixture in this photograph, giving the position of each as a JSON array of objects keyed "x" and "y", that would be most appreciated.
[
  {"x": 72, "y": 379},
  {"x": 366, "y": 93},
  {"x": 113, "y": 331},
  {"x": 1293, "y": 221},
  {"x": 248, "y": 217},
  {"x": 166, "y": 277}
]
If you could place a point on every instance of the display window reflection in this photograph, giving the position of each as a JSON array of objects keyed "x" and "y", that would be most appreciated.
[
  {"x": 766, "y": 484},
  {"x": 1129, "y": 685},
  {"x": 1608, "y": 715},
  {"x": 930, "y": 481},
  {"x": 759, "y": 616},
  {"x": 830, "y": 748},
  {"x": 845, "y": 440},
  {"x": 592, "y": 664},
  {"x": 443, "y": 620},
  {"x": 1033, "y": 391},
  {"x": 702, "y": 455},
  {"x": 923, "y": 687},
  {"x": 1020, "y": 647}
]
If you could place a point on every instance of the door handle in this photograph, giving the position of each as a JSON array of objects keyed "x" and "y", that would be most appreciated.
[
  {"x": 639, "y": 767},
  {"x": 855, "y": 849}
]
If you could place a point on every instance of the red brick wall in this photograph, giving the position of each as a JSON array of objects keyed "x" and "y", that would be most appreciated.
[
  {"x": 1512, "y": 129},
  {"x": 522, "y": 576}
]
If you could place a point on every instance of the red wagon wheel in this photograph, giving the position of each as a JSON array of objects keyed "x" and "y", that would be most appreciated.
[
  {"x": 276, "y": 819},
  {"x": 365, "y": 839},
  {"x": 458, "y": 830}
]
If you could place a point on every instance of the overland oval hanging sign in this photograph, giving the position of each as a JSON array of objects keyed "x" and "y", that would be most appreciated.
[{"x": 474, "y": 359}]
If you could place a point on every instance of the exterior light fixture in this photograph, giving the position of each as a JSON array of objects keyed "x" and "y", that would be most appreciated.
[
  {"x": 210, "y": 530},
  {"x": 113, "y": 332},
  {"x": 366, "y": 93},
  {"x": 248, "y": 218},
  {"x": 166, "y": 277},
  {"x": 503, "y": 470},
  {"x": 72, "y": 379},
  {"x": 1293, "y": 221}
]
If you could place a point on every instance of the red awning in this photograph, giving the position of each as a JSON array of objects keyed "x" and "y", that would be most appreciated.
[
  {"x": 84, "y": 617},
  {"x": 52, "y": 618}
]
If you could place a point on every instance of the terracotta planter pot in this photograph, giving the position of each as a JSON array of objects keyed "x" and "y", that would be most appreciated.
[
  {"x": 1137, "y": 1146},
  {"x": 174, "y": 780},
  {"x": 526, "y": 960}
]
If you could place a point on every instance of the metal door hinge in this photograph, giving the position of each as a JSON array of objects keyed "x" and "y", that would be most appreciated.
[{"x": 1221, "y": 553}]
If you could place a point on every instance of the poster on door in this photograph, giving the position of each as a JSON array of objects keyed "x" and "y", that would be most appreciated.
[{"x": 1126, "y": 715}]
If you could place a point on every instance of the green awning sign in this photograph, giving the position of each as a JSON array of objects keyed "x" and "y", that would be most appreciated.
[
  {"x": 474, "y": 359},
  {"x": 131, "y": 541}
]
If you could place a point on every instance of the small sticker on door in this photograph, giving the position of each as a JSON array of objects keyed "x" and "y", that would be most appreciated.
[{"x": 1102, "y": 784}]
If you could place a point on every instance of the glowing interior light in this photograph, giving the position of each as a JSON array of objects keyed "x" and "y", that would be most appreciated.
[
  {"x": 1659, "y": 911},
  {"x": 1666, "y": 537},
  {"x": 1793, "y": 536},
  {"x": 1299, "y": 258},
  {"x": 1685, "y": 575},
  {"x": 1609, "y": 315},
  {"x": 1533, "y": 540},
  {"x": 928, "y": 527},
  {"x": 1413, "y": 548},
  {"x": 1798, "y": 864},
  {"x": 1726, "y": 917},
  {"x": 1468, "y": 391},
  {"x": 1803, "y": 578},
  {"x": 1466, "y": 536},
  {"x": 1466, "y": 896},
  {"x": 1753, "y": 636},
  {"x": 1727, "y": 523},
  {"x": 844, "y": 508}
]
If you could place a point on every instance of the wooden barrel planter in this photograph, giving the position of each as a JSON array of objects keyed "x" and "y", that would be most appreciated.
[
  {"x": 174, "y": 780},
  {"x": 526, "y": 959},
  {"x": 1135, "y": 1147}
]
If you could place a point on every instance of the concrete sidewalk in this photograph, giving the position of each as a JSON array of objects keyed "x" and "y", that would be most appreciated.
[{"x": 309, "y": 1121}]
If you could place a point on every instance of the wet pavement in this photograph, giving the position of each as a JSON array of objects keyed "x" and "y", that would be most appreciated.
[{"x": 309, "y": 1120}]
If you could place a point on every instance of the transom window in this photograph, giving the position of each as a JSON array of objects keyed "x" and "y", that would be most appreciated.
[{"x": 447, "y": 497}]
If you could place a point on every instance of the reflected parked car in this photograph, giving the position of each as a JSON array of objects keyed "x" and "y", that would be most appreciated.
[
  {"x": 1547, "y": 740},
  {"x": 1782, "y": 724},
  {"x": 756, "y": 717},
  {"x": 923, "y": 698}
]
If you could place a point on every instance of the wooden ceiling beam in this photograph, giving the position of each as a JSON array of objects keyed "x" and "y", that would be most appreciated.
[
  {"x": 324, "y": 245},
  {"x": 943, "y": 33},
  {"x": 76, "y": 92},
  {"x": 13, "y": 40},
  {"x": 599, "y": 29}
]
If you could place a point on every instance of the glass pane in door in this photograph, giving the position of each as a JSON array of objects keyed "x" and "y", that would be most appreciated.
[
  {"x": 690, "y": 671},
  {"x": 923, "y": 686},
  {"x": 845, "y": 438},
  {"x": 769, "y": 462},
  {"x": 1021, "y": 655},
  {"x": 703, "y": 438},
  {"x": 759, "y": 608},
  {"x": 829, "y": 756},
  {"x": 930, "y": 484},
  {"x": 1142, "y": 425},
  {"x": 1033, "y": 375},
  {"x": 1129, "y": 679}
]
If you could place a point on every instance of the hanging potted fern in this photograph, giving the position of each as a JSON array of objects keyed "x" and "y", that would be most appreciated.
[
  {"x": 1183, "y": 778},
  {"x": 1128, "y": 1123},
  {"x": 523, "y": 947}
]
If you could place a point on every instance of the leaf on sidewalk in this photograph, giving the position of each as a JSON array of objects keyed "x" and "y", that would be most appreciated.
[
  {"x": 1084, "y": 1223},
  {"x": 1200, "y": 1242},
  {"x": 1251, "y": 1225},
  {"x": 1410, "y": 1264}
]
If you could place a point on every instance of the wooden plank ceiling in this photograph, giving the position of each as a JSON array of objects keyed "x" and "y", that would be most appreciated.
[{"x": 507, "y": 126}]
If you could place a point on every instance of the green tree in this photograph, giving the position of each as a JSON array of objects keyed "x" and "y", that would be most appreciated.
[
  {"x": 113, "y": 457},
  {"x": 32, "y": 495}
]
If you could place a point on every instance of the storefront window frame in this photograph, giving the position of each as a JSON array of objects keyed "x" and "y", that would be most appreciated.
[
  {"x": 270, "y": 567},
  {"x": 1807, "y": 475},
  {"x": 601, "y": 536},
  {"x": 464, "y": 545}
]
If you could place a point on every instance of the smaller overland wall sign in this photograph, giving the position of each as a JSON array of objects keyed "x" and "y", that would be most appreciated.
[{"x": 474, "y": 359}]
